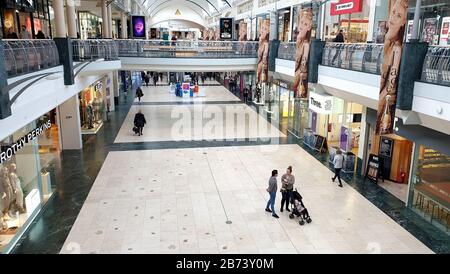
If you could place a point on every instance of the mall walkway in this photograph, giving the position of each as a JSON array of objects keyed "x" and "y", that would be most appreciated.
[{"x": 173, "y": 191}]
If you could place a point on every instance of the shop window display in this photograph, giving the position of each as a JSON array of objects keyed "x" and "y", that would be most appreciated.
[
  {"x": 21, "y": 191},
  {"x": 431, "y": 186},
  {"x": 92, "y": 108}
]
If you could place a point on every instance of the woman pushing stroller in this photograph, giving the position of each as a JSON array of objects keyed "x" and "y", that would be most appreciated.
[{"x": 287, "y": 181}]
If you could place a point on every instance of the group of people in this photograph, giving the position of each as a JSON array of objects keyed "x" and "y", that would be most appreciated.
[
  {"x": 287, "y": 185},
  {"x": 155, "y": 76},
  {"x": 24, "y": 34}
]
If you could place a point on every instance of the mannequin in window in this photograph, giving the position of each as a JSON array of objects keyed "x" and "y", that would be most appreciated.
[
  {"x": 90, "y": 116},
  {"x": 6, "y": 192},
  {"x": 17, "y": 187}
]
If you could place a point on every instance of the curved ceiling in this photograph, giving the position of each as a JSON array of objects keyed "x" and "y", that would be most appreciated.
[{"x": 207, "y": 7}]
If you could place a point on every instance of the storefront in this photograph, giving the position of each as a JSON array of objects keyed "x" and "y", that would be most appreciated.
[
  {"x": 338, "y": 122},
  {"x": 93, "y": 106},
  {"x": 90, "y": 25},
  {"x": 284, "y": 25},
  {"x": 351, "y": 16},
  {"x": 25, "y": 178},
  {"x": 34, "y": 15}
]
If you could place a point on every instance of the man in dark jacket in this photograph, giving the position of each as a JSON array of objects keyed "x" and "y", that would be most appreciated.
[
  {"x": 139, "y": 122},
  {"x": 339, "y": 39},
  {"x": 139, "y": 93}
]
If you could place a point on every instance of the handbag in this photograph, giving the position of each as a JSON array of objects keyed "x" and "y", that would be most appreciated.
[{"x": 135, "y": 129}]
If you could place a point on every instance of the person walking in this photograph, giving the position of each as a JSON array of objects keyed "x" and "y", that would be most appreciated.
[
  {"x": 338, "y": 39},
  {"x": 139, "y": 93},
  {"x": 338, "y": 162},
  {"x": 245, "y": 94},
  {"x": 287, "y": 181},
  {"x": 139, "y": 122},
  {"x": 272, "y": 189},
  {"x": 147, "y": 79},
  {"x": 155, "y": 78}
]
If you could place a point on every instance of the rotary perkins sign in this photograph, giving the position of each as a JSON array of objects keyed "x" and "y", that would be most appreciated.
[
  {"x": 7, "y": 152},
  {"x": 346, "y": 6}
]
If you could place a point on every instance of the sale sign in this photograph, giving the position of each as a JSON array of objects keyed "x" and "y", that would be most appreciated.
[{"x": 346, "y": 6}]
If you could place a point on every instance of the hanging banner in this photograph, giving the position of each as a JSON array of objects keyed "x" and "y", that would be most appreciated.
[
  {"x": 302, "y": 45},
  {"x": 263, "y": 51},
  {"x": 242, "y": 31},
  {"x": 393, "y": 47},
  {"x": 211, "y": 35}
]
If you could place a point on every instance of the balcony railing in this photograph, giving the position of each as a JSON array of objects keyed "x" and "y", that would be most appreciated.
[
  {"x": 359, "y": 57},
  {"x": 187, "y": 49},
  {"x": 286, "y": 51},
  {"x": 25, "y": 56},
  {"x": 93, "y": 49},
  {"x": 436, "y": 66}
]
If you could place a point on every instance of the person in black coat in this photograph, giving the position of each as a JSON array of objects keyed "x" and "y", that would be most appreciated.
[
  {"x": 339, "y": 39},
  {"x": 139, "y": 93},
  {"x": 139, "y": 122}
]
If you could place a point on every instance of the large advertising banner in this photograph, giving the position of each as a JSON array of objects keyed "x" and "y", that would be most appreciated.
[
  {"x": 263, "y": 52},
  {"x": 211, "y": 35},
  {"x": 346, "y": 7},
  {"x": 393, "y": 47},
  {"x": 242, "y": 31},
  {"x": 302, "y": 45},
  {"x": 226, "y": 28},
  {"x": 138, "y": 26}
]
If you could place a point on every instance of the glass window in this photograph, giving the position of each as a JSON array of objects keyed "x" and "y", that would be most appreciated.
[{"x": 19, "y": 184}]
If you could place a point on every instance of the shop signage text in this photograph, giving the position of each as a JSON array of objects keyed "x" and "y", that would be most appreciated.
[
  {"x": 346, "y": 6},
  {"x": 8, "y": 151},
  {"x": 320, "y": 103}
]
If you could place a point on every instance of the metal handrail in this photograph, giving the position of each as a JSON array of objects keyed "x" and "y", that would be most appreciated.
[
  {"x": 286, "y": 51},
  {"x": 186, "y": 49},
  {"x": 94, "y": 49},
  {"x": 355, "y": 56},
  {"x": 26, "y": 55},
  {"x": 436, "y": 66}
]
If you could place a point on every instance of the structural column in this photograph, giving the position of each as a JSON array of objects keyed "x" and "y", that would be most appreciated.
[
  {"x": 104, "y": 19},
  {"x": 71, "y": 19},
  {"x": 124, "y": 29},
  {"x": 69, "y": 125},
  {"x": 110, "y": 27},
  {"x": 60, "y": 24},
  {"x": 415, "y": 33}
]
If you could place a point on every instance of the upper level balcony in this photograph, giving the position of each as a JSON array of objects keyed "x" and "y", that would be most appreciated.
[{"x": 27, "y": 56}]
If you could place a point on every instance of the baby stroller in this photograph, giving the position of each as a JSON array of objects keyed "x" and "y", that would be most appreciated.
[{"x": 299, "y": 209}]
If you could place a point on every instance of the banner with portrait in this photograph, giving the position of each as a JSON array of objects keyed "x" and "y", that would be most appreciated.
[
  {"x": 393, "y": 47},
  {"x": 138, "y": 26},
  {"x": 226, "y": 28},
  {"x": 263, "y": 52},
  {"x": 242, "y": 31},
  {"x": 302, "y": 46}
]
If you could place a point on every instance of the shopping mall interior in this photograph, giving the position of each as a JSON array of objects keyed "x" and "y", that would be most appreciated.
[{"x": 154, "y": 126}]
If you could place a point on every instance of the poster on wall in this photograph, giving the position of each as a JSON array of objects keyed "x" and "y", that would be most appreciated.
[
  {"x": 242, "y": 31},
  {"x": 386, "y": 147},
  {"x": 443, "y": 41},
  {"x": 226, "y": 28},
  {"x": 429, "y": 30},
  {"x": 393, "y": 47},
  {"x": 344, "y": 138},
  {"x": 153, "y": 34},
  {"x": 302, "y": 45},
  {"x": 409, "y": 29},
  {"x": 138, "y": 26},
  {"x": 263, "y": 52}
]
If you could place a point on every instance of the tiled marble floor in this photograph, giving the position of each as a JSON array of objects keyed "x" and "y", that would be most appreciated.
[
  {"x": 178, "y": 200},
  {"x": 185, "y": 122},
  {"x": 162, "y": 94}
]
